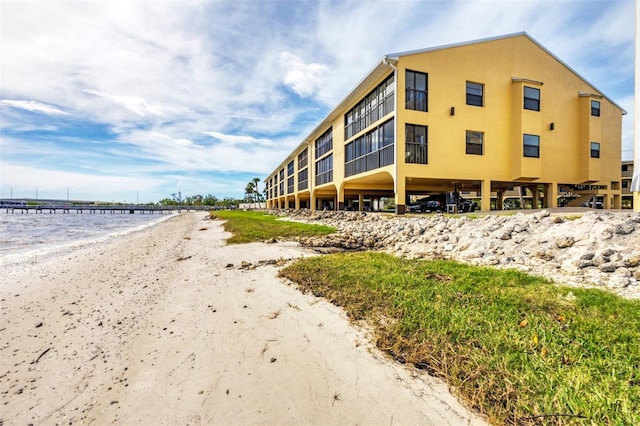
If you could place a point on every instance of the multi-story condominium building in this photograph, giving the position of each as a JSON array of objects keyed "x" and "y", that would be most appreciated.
[
  {"x": 485, "y": 116},
  {"x": 627, "y": 176}
]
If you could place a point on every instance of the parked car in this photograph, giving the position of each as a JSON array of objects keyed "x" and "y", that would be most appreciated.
[{"x": 438, "y": 203}]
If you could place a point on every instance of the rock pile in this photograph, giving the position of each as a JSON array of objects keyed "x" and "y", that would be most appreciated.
[{"x": 596, "y": 248}]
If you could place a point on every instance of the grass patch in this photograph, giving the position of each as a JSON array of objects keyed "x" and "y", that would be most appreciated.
[
  {"x": 518, "y": 349},
  {"x": 250, "y": 226}
]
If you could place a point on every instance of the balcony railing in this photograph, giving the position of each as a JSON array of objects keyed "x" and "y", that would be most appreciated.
[
  {"x": 371, "y": 161},
  {"x": 416, "y": 153},
  {"x": 325, "y": 177}
]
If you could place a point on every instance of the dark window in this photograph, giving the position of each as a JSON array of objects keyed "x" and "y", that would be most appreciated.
[
  {"x": 595, "y": 108},
  {"x": 303, "y": 179},
  {"x": 531, "y": 146},
  {"x": 281, "y": 175},
  {"x": 531, "y": 98},
  {"x": 303, "y": 159},
  {"x": 378, "y": 103},
  {"x": 324, "y": 143},
  {"x": 370, "y": 151},
  {"x": 416, "y": 90},
  {"x": 595, "y": 150},
  {"x": 416, "y": 148},
  {"x": 324, "y": 170},
  {"x": 290, "y": 185},
  {"x": 474, "y": 142},
  {"x": 475, "y": 93},
  {"x": 290, "y": 168}
]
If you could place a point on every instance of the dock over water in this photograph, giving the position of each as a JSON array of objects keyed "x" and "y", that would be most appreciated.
[{"x": 53, "y": 208}]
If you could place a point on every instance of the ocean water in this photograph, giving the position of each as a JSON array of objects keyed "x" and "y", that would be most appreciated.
[{"x": 25, "y": 236}]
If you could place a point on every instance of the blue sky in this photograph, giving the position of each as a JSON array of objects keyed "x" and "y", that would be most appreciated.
[{"x": 136, "y": 100}]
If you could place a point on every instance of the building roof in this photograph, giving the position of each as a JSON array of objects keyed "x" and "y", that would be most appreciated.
[{"x": 396, "y": 56}]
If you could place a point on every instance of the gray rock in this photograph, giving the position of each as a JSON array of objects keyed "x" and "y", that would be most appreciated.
[
  {"x": 565, "y": 242},
  {"x": 608, "y": 267},
  {"x": 606, "y": 235},
  {"x": 624, "y": 228},
  {"x": 607, "y": 252},
  {"x": 585, "y": 264}
]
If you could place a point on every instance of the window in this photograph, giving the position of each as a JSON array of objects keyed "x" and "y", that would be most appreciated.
[
  {"x": 303, "y": 159},
  {"x": 324, "y": 170},
  {"x": 281, "y": 175},
  {"x": 378, "y": 103},
  {"x": 303, "y": 179},
  {"x": 595, "y": 108},
  {"x": 531, "y": 98},
  {"x": 475, "y": 94},
  {"x": 416, "y": 144},
  {"x": 595, "y": 150},
  {"x": 531, "y": 146},
  {"x": 474, "y": 142},
  {"x": 324, "y": 143},
  {"x": 290, "y": 168},
  {"x": 370, "y": 151},
  {"x": 416, "y": 90}
]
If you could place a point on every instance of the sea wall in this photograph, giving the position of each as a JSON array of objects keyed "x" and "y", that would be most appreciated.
[{"x": 596, "y": 248}]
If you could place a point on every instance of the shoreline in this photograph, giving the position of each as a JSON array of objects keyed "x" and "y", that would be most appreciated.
[
  {"x": 169, "y": 325},
  {"x": 18, "y": 261}
]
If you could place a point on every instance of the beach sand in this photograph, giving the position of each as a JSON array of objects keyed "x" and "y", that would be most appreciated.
[{"x": 166, "y": 326}]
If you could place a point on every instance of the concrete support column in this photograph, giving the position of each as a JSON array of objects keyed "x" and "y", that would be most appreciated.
[
  {"x": 312, "y": 202},
  {"x": 500, "y": 200},
  {"x": 485, "y": 195},
  {"x": 535, "y": 196},
  {"x": 297, "y": 201},
  {"x": 551, "y": 195},
  {"x": 401, "y": 195},
  {"x": 360, "y": 202},
  {"x": 617, "y": 202}
]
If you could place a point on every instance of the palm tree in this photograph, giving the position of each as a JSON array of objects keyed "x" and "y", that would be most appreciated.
[
  {"x": 255, "y": 181},
  {"x": 249, "y": 190}
]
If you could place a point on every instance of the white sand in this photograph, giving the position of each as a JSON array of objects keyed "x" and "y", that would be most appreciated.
[{"x": 123, "y": 332}]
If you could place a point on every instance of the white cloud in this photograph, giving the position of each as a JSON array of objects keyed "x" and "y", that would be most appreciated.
[
  {"x": 33, "y": 106},
  {"x": 304, "y": 79},
  {"x": 137, "y": 105},
  {"x": 239, "y": 140}
]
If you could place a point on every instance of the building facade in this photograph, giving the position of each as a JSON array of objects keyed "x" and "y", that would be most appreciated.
[
  {"x": 627, "y": 177},
  {"x": 485, "y": 117}
]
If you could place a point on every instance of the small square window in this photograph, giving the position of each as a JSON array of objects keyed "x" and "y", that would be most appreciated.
[
  {"x": 475, "y": 94},
  {"x": 531, "y": 98},
  {"x": 595, "y": 150},
  {"x": 531, "y": 146},
  {"x": 595, "y": 108},
  {"x": 474, "y": 142}
]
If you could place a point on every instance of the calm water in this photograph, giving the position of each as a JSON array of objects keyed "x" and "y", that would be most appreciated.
[{"x": 23, "y": 236}]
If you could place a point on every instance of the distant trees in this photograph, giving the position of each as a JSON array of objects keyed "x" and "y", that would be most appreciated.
[{"x": 196, "y": 200}]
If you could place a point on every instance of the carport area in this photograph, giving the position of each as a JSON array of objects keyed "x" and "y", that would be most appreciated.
[
  {"x": 366, "y": 193},
  {"x": 488, "y": 195}
]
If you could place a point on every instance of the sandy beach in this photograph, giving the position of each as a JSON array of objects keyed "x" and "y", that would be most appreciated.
[{"x": 171, "y": 326}]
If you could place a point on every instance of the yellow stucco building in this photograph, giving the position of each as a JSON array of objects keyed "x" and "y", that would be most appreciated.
[{"x": 485, "y": 117}]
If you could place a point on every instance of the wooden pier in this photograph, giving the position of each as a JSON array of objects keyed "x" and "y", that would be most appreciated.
[{"x": 98, "y": 209}]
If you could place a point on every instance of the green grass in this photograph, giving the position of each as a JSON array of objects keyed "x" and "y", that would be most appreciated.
[
  {"x": 250, "y": 226},
  {"x": 517, "y": 348}
]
